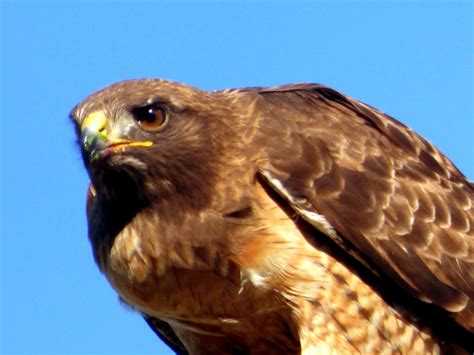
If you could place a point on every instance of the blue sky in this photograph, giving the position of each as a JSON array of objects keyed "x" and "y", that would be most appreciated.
[{"x": 413, "y": 60}]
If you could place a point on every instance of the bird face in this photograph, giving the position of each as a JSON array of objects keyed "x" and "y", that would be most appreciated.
[
  {"x": 152, "y": 135},
  {"x": 97, "y": 143}
]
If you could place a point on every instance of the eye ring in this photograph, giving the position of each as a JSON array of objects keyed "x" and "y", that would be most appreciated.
[{"x": 151, "y": 118}]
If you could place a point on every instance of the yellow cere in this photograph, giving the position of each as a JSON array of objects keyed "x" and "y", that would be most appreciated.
[{"x": 95, "y": 121}]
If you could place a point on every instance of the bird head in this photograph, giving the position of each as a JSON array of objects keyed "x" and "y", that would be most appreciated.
[{"x": 152, "y": 137}]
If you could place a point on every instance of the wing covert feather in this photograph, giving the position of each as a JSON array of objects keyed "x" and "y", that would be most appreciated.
[{"x": 388, "y": 192}]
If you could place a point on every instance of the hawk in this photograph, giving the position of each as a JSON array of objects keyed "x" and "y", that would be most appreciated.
[{"x": 290, "y": 219}]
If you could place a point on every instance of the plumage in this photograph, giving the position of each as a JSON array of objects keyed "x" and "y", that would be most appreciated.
[{"x": 291, "y": 219}]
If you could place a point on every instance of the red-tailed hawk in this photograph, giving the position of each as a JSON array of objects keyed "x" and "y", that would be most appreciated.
[{"x": 291, "y": 219}]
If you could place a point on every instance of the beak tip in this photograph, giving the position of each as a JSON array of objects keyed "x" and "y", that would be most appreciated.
[{"x": 91, "y": 143}]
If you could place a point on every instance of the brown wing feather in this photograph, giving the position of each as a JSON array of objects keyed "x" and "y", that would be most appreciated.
[{"x": 388, "y": 192}]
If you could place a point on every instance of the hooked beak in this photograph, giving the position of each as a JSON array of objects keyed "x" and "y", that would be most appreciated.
[{"x": 95, "y": 142}]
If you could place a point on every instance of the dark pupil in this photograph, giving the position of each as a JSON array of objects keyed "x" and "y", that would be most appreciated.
[{"x": 149, "y": 115}]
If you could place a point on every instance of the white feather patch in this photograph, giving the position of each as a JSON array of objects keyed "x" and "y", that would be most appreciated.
[
  {"x": 316, "y": 219},
  {"x": 253, "y": 277}
]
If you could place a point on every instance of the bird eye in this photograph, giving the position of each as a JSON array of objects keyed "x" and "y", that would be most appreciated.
[{"x": 151, "y": 117}]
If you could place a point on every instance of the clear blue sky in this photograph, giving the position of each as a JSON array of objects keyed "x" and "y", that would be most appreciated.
[{"x": 413, "y": 60}]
